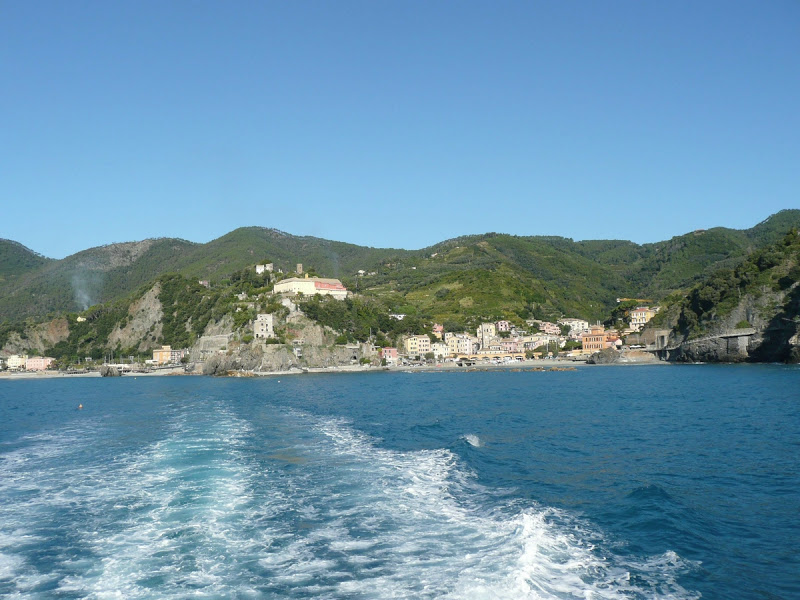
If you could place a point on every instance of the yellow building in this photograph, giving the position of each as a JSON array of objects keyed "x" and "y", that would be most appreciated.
[
  {"x": 641, "y": 315},
  {"x": 418, "y": 344}
]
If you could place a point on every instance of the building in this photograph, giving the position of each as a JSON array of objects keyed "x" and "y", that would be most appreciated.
[
  {"x": 440, "y": 350},
  {"x": 576, "y": 326},
  {"x": 503, "y": 326},
  {"x": 264, "y": 326},
  {"x": 16, "y": 362},
  {"x": 545, "y": 326},
  {"x": 486, "y": 331},
  {"x": 167, "y": 356},
  {"x": 509, "y": 345},
  {"x": 389, "y": 354},
  {"x": 38, "y": 363},
  {"x": 204, "y": 282},
  {"x": 268, "y": 268},
  {"x": 299, "y": 269},
  {"x": 308, "y": 286},
  {"x": 641, "y": 315},
  {"x": 438, "y": 330},
  {"x": 595, "y": 340},
  {"x": 459, "y": 343},
  {"x": 417, "y": 344},
  {"x": 397, "y": 316}
]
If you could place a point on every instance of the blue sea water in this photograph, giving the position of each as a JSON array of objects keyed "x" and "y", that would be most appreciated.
[{"x": 607, "y": 482}]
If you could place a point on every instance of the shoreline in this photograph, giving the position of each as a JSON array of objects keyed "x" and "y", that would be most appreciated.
[{"x": 537, "y": 365}]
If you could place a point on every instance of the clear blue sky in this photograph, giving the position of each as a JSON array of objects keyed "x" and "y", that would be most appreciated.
[{"x": 394, "y": 123}]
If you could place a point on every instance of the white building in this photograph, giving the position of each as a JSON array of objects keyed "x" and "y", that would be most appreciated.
[
  {"x": 440, "y": 350},
  {"x": 264, "y": 326},
  {"x": 17, "y": 362},
  {"x": 308, "y": 286},
  {"x": 269, "y": 267},
  {"x": 576, "y": 326}
]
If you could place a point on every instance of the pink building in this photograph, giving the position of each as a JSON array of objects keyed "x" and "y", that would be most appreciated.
[
  {"x": 503, "y": 326},
  {"x": 509, "y": 345},
  {"x": 387, "y": 353},
  {"x": 438, "y": 330},
  {"x": 38, "y": 363}
]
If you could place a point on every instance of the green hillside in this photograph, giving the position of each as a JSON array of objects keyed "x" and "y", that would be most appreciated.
[
  {"x": 247, "y": 246},
  {"x": 16, "y": 261},
  {"x": 90, "y": 277},
  {"x": 461, "y": 279}
]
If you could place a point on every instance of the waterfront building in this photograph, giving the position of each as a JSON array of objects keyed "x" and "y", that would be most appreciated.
[
  {"x": 16, "y": 362},
  {"x": 417, "y": 344},
  {"x": 440, "y": 349},
  {"x": 390, "y": 354},
  {"x": 595, "y": 340},
  {"x": 459, "y": 343},
  {"x": 509, "y": 345},
  {"x": 38, "y": 363},
  {"x": 264, "y": 326},
  {"x": 166, "y": 355}
]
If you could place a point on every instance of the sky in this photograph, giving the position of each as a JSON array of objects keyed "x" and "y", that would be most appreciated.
[{"x": 394, "y": 124}]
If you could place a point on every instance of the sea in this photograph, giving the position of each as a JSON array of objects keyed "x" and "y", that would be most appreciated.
[{"x": 617, "y": 482}]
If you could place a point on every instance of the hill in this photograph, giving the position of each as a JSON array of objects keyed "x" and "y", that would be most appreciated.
[
  {"x": 17, "y": 260},
  {"x": 463, "y": 279},
  {"x": 750, "y": 312}
]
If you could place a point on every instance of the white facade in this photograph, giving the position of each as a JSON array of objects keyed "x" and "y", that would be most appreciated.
[
  {"x": 309, "y": 286},
  {"x": 576, "y": 326},
  {"x": 269, "y": 267},
  {"x": 440, "y": 350},
  {"x": 17, "y": 362},
  {"x": 264, "y": 326}
]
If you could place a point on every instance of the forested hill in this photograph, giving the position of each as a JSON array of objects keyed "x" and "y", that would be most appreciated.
[
  {"x": 16, "y": 260},
  {"x": 759, "y": 298},
  {"x": 472, "y": 275}
]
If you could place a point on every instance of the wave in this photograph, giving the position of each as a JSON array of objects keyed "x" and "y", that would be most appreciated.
[
  {"x": 472, "y": 440},
  {"x": 209, "y": 511}
]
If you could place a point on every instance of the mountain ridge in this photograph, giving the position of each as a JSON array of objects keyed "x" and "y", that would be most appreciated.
[{"x": 563, "y": 274}]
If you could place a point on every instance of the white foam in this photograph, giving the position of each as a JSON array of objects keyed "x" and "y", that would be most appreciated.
[
  {"x": 472, "y": 440},
  {"x": 194, "y": 514}
]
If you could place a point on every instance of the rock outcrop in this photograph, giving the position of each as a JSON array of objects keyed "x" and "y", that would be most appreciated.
[
  {"x": 774, "y": 335},
  {"x": 38, "y": 337},
  {"x": 143, "y": 326}
]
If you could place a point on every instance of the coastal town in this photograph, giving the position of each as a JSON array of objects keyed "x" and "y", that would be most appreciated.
[{"x": 492, "y": 342}]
